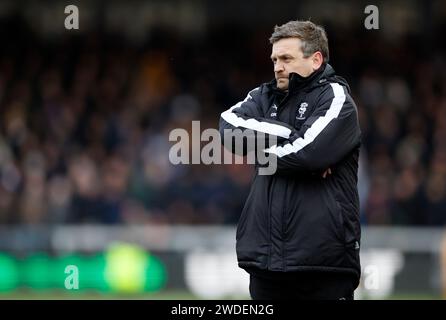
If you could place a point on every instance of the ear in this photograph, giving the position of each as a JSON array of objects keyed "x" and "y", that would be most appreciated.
[{"x": 317, "y": 59}]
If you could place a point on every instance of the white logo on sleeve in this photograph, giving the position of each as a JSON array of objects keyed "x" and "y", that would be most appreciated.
[{"x": 302, "y": 109}]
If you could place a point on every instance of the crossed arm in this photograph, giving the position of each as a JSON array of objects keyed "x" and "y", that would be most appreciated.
[{"x": 324, "y": 139}]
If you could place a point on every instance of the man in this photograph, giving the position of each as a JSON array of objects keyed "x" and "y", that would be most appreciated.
[{"x": 299, "y": 233}]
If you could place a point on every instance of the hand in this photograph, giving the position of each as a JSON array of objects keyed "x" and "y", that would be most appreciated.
[{"x": 326, "y": 173}]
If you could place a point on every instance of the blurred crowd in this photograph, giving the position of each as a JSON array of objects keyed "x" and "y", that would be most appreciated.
[{"x": 85, "y": 122}]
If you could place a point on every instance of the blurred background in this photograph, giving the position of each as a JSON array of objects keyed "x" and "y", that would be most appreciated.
[{"x": 85, "y": 178}]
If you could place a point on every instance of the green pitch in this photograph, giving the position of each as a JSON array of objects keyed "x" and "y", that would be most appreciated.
[
  {"x": 162, "y": 295},
  {"x": 56, "y": 295}
]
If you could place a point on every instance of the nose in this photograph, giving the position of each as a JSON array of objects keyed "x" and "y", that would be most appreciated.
[{"x": 278, "y": 67}]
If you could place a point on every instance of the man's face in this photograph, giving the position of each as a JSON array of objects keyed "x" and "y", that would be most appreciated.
[{"x": 288, "y": 57}]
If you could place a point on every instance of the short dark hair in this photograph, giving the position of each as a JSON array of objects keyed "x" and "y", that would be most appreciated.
[{"x": 312, "y": 36}]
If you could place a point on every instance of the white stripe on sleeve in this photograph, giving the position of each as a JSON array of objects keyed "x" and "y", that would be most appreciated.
[
  {"x": 253, "y": 124},
  {"x": 316, "y": 128}
]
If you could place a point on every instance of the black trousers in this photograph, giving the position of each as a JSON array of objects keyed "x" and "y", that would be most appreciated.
[{"x": 302, "y": 286}]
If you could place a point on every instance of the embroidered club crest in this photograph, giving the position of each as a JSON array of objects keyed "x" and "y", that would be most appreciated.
[{"x": 302, "y": 109}]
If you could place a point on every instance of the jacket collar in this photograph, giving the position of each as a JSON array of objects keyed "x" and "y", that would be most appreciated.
[{"x": 298, "y": 83}]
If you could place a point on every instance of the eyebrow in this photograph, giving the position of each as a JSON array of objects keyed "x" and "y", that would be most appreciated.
[{"x": 281, "y": 56}]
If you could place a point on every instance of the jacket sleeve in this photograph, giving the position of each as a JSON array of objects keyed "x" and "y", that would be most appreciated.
[
  {"x": 328, "y": 135},
  {"x": 244, "y": 125}
]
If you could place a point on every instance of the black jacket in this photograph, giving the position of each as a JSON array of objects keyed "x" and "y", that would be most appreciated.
[{"x": 296, "y": 220}]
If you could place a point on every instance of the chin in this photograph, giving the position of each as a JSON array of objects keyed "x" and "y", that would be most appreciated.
[{"x": 282, "y": 85}]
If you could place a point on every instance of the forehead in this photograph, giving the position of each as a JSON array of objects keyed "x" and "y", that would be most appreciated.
[{"x": 286, "y": 46}]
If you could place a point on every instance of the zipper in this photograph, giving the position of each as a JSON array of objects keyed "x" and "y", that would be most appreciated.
[
  {"x": 284, "y": 226},
  {"x": 292, "y": 111},
  {"x": 280, "y": 106},
  {"x": 269, "y": 223}
]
